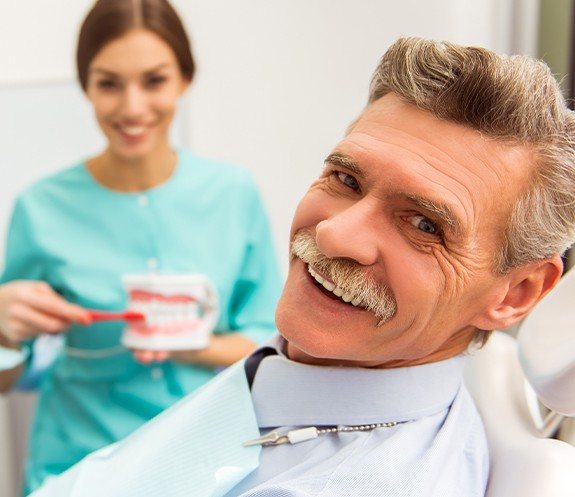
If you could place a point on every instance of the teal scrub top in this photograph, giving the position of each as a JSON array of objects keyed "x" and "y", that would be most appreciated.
[{"x": 81, "y": 237}]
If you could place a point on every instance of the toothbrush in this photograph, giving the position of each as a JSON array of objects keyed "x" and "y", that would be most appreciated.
[{"x": 116, "y": 316}]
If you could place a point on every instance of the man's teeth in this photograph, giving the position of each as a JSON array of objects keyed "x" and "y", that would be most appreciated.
[{"x": 337, "y": 291}]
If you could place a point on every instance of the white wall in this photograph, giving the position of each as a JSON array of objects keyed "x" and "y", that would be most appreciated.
[{"x": 277, "y": 83}]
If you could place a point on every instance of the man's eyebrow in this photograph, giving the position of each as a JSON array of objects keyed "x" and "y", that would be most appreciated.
[
  {"x": 441, "y": 210},
  {"x": 344, "y": 161}
]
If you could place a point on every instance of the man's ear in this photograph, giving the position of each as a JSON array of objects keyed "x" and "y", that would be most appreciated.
[{"x": 527, "y": 286}]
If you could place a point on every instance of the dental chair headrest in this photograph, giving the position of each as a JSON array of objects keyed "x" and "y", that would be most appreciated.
[{"x": 546, "y": 343}]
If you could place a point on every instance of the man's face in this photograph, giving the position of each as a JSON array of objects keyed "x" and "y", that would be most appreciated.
[{"x": 412, "y": 210}]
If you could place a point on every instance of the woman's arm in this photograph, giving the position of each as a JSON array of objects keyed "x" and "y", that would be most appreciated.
[{"x": 223, "y": 350}]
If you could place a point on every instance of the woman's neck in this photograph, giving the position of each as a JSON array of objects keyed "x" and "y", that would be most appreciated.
[{"x": 133, "y": 175}]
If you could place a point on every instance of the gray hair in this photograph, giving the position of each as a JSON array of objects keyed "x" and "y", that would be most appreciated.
[{"x": 512, "y": 98}]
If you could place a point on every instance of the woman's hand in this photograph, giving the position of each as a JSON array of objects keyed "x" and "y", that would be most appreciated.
[
  {"x": 223, "y": 350},
  {"x": 30, "y": 308}
]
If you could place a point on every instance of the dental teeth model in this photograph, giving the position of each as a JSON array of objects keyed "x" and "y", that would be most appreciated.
[
  {"x": 337, "y": 291},
  {"x": 180, "y": 311}
]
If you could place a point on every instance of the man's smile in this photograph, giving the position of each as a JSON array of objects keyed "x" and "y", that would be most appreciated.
[
  {"x": 343, "y": 281},
  {"x": 318, "y": 295},
  {"x": 334, "y": 290}
]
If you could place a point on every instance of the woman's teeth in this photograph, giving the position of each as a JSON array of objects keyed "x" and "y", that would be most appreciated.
[
  {"x": 337, "y": 291},
  {"x": 132, "y": 130}
]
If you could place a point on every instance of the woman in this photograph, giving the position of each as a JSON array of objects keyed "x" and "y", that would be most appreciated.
[{"x": 137, "y": 207}]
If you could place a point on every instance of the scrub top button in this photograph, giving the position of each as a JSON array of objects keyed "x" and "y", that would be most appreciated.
[
  {"x": 153, "y": 263},
  {"x": 157, "y": 373},
  {"x": 143, "y": 200}
]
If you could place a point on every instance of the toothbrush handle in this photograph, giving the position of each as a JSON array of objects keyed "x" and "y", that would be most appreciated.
[{"x": 116, "y": 316}]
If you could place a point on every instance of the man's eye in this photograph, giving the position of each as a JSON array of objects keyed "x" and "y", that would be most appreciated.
[
  {"x": 424, "y": 224},
  {"x": 348, "y": 181}
]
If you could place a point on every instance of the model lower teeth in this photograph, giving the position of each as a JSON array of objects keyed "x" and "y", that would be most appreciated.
[{"x": 337, "y": 291}]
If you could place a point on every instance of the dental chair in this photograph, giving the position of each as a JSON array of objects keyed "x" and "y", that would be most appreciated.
[{"x": 524, "y": 389}]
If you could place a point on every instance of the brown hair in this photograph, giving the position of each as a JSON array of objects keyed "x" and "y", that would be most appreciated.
[
  {"x": 515, "y": 99},
  {"x": 111, "y": 19}
]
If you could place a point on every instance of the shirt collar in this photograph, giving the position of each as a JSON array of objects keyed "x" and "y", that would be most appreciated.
[{"x": 288, "y": 393}]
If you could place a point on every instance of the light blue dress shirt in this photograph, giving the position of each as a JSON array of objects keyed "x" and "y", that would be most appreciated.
[
  {"x": 81, "y": 237},
  {"x": 439, "y": 450},
  {"x": 195, "y": 449},
  {"x": 192, "y": 449}
]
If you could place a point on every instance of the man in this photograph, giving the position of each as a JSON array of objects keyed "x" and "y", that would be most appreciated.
[{"x": 441, "y": 214}]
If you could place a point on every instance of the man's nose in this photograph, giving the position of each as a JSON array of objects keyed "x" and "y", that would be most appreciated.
[
  {"x": 133, "y": 102},
  {"x": 351, "y": 234}
]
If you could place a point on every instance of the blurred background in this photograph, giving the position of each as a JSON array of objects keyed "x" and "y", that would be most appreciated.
[{"x": 277, "y": 83}]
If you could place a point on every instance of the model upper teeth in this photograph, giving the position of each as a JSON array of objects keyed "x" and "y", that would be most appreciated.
[
  {"x": 132, "y": 130},
  {"x": 337, "y": 291}
]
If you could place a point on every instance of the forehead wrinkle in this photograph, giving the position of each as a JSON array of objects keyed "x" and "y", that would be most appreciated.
[
  {"x": 436, "y": 157},
  {"x": 439, "y": 158},
  {"x": 438, "y": 207}
]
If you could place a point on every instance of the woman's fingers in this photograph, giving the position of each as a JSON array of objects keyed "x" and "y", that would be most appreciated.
[
  {"x": 26, "y": 318},
  {"x": 150, "y": 356},
  {"x": 43, "y": 298},
  {"x": 29, "y": 308}
]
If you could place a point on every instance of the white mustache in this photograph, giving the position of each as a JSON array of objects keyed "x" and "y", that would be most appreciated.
[{"x": 347, "y": 275}]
